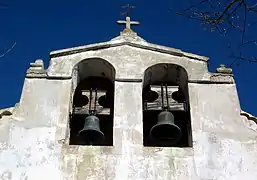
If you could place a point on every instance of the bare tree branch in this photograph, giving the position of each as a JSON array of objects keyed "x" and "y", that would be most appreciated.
[
  {"x": 249, "y": 42},
  {"x": 195, "y": 5},
  {"x": 245, "y": 19},
  {"x": 227, "y": 8},
  {"x": 225, "y": 16},
  {"x": 3, "y": 5},
  {"x": 8, "y": 50},
  {"x": 253, "y": 59}
]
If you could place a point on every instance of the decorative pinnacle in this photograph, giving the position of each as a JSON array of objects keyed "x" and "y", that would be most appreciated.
[{"x": 223, "y": 69}]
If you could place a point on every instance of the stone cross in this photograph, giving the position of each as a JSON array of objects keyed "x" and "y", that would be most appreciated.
[{"x": 128, "y": 22}]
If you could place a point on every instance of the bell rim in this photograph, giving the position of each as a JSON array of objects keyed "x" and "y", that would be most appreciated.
[
  {"x": 101, "y": 139},
  {"x": 162, "y": 139}
]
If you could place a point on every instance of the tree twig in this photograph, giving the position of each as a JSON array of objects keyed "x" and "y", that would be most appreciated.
[
  {"x": 8, "y": 50},
  {"x": 253, "y": 59},
  {"x": 231, "y": 15}
]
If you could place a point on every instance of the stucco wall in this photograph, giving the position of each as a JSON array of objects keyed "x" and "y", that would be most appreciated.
[
  {"x": 129, "y": 62},
  {"x": 34, "y": 140}
]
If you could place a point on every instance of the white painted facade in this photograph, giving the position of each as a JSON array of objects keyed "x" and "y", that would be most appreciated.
[{"x": 35, "y": 133}]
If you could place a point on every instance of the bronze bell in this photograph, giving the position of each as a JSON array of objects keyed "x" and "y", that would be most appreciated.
[
  {"x": 91, "y": 132},
  {"x": 166, "y": 130}
]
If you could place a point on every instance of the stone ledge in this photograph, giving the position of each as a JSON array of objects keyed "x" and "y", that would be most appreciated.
[
  {"x": 249, "y": 120},
  {"x": 32, "y": 74},
  {"x": 220, "y": 77},
  {"x": 118, "y": 150}
]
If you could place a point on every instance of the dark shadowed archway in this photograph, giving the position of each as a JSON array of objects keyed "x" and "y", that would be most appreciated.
[
  {"x": 93, "y": 85},
  {"x": 165, "y": 89}
]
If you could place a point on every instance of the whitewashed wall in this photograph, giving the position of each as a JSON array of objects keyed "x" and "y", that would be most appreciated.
[{"x": 34, "y": 140}]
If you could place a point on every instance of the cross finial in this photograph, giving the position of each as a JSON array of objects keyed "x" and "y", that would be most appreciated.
[{"x": 128, "y": 22}]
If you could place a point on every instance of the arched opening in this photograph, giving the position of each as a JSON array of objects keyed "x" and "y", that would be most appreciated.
[
  {"x": 166, "y": 112},
  {"x": 91, "y": 122}
]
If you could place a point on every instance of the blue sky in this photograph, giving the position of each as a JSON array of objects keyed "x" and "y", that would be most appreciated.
[{"x": 39, "y": 27}]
